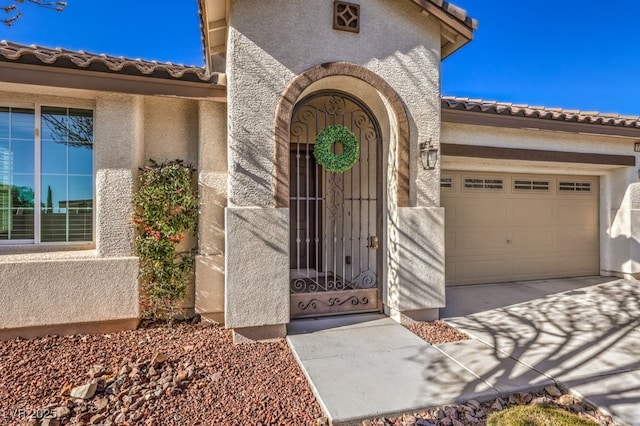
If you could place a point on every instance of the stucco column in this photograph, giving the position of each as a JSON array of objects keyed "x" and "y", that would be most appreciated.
[
  {"x": 416, "y": 264},
  {"x": 256, "y": 232},
  {"x": 620, "y": 223},
  {"x": 119, "y": 147},
  {"x": 212, "y": 191}
]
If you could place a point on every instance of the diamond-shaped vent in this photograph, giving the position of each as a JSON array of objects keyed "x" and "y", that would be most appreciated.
[{"x": 346, "y": 16}]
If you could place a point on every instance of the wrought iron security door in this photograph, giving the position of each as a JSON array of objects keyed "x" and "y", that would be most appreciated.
[{"x": 335, "y": 222}]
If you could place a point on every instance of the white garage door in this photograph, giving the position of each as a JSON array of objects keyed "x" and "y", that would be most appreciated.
[{"x": 508, "y": 227}]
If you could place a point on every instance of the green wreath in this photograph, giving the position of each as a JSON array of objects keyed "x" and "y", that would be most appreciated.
[{"x": 325, "y": 156}]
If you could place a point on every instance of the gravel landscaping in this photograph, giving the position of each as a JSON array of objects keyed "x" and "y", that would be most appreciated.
[
  {"x": 192, "y": 374},
  {"x": 188, "y": 374},
  {"x": 436, "y": 332}
]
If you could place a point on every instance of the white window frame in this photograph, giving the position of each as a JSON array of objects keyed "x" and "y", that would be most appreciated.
[{"x": 37, "y": 232}]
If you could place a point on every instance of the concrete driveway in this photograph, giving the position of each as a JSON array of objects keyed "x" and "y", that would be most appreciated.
[{"x": 581, "y": 332}]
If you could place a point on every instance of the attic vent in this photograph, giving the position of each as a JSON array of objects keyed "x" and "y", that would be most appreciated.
[
  {"x": 346, "y": 16},
  {"x": 531, "y": 185},
  {"x": 475, "y": 183},
  {"x": 575, "y": 186},
  {"x": 446, "y": 182}
]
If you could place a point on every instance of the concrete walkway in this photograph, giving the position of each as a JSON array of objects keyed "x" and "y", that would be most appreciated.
[
  {"x": 583, "y": 333},
  {"x": 371, "y": 366}
]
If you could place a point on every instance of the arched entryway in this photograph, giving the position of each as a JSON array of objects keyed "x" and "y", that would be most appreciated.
[{"x": 335, "y": 218}]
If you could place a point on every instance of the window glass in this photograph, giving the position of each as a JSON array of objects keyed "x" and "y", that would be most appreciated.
[
  {"x": 23, "y": 156},
  {"x": 22, "y": 122},
  {"x": 67, "y": 174},
  {"x": 17, "y": 183},
  {"x": 54, "y": 124},
  {"x": 53, "y": 218},
  {"x": 54, "y": 157},
  {"x": 5, "y": 122},
  {"x": 65, "y": 199}
]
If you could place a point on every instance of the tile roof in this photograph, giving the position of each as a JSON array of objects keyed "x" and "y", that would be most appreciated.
[
  {"x": 457, "y": 12},
  {"x": 38, "y": 55},
  {"x": 539, "y": 112}
]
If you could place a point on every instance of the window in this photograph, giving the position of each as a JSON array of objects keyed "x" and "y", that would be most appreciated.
[
  {"x": 574, "y": 186},
  {"x": 46, "y": 174},
  {"x": 476, "y": 183},
  {"x": 446, "y": 182},
  {"x": 531, "y": 185}
]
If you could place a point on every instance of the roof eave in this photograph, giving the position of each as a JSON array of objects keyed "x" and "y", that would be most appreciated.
[
  {"x": 456, "y": 28},
  {"x": 108, "y": 82},
  {"x": 512, "y": 121},
  {"x": 214, "y": 21}
]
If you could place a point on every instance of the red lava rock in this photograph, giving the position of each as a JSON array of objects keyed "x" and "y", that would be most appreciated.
[
  {"x": 436, "y": 332},
  {"x": 218, "y": 383}
]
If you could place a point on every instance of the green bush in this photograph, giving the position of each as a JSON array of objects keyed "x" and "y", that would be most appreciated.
[
  {"x": 166, "y": 210},
  {"x": 536, "y": 415}
]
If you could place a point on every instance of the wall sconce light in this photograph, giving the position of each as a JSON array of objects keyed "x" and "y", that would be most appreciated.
[{"x": 428, "y": 155}]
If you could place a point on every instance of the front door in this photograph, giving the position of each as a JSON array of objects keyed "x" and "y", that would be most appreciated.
[{"x": 335, "y": 218}]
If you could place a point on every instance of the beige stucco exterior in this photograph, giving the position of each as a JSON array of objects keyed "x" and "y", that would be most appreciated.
[
  {"x": 57, "y": 288},
  {"x": 618, "y": 200},
  {"x": 398, "y": 44},
  {"x": 277, "y": 54}
]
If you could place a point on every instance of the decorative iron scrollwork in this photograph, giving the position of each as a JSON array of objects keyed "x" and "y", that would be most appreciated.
[
  {"x": 333, "y": 301},
  {"x": 332, "y": 266}
]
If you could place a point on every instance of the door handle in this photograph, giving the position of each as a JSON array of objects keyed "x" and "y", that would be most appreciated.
[{"x": 374, "y": 242}]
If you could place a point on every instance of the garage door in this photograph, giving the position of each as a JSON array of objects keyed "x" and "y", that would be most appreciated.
[{"x": 508, "y": 227}]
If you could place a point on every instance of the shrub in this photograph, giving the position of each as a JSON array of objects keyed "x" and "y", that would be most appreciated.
[{"x": 166, "y": 210}]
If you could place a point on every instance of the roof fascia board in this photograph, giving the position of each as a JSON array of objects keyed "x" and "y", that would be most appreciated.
[
  {"x": 501, "y": 153},
  {"x": 120, "y": 83},
  {"x": 447, "y": 19},
  {"x": 495, "y": 120}
]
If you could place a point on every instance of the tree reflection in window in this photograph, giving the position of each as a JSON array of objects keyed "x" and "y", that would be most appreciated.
[{"x": 67, "y": 174}]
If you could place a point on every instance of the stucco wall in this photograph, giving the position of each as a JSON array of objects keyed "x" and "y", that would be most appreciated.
[
  {"x": 40, "y": 293},
  {"x": 212, "y": 189},
  {"x": 59, "y": 287},
  {"x": 269, "y": 44},
  {"x": 171, "y": 132},
  {"x": 619, "y": 187}
]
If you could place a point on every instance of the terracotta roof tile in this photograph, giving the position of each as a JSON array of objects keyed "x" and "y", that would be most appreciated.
[
  {"x": 457, "y": 12},
  {"x": 538, "y": 112},
  {"x": 38, "y": 55}
]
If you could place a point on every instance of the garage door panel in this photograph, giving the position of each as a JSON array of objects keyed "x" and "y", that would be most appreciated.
[
  {"x": 488, "y": 239},
  {"x": 450, "y": 241},
  {"x": 488, "y": 212},
  {"x": 580, "y": 212},
  {"x": 532, "y": 267},
  {"x": 532, "y": 212},
  {"x": 578, "y": 239},
  {"x": 450, "y": 270},
  {"x": 587, "y": 264},
  {"x": 518, "y": 233},
  {"x": 484, "y": 270},
  {"x": 532, "y": 240},
  {"x": 450, "y": 214}
]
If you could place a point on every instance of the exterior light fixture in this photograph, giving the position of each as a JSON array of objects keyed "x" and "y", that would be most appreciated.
[{"x": 428, "y": 155}]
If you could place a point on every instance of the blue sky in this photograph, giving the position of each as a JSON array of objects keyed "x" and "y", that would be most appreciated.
[
  {"x": 577, "y": 54},
  {"x": 169, "y": 31}
]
